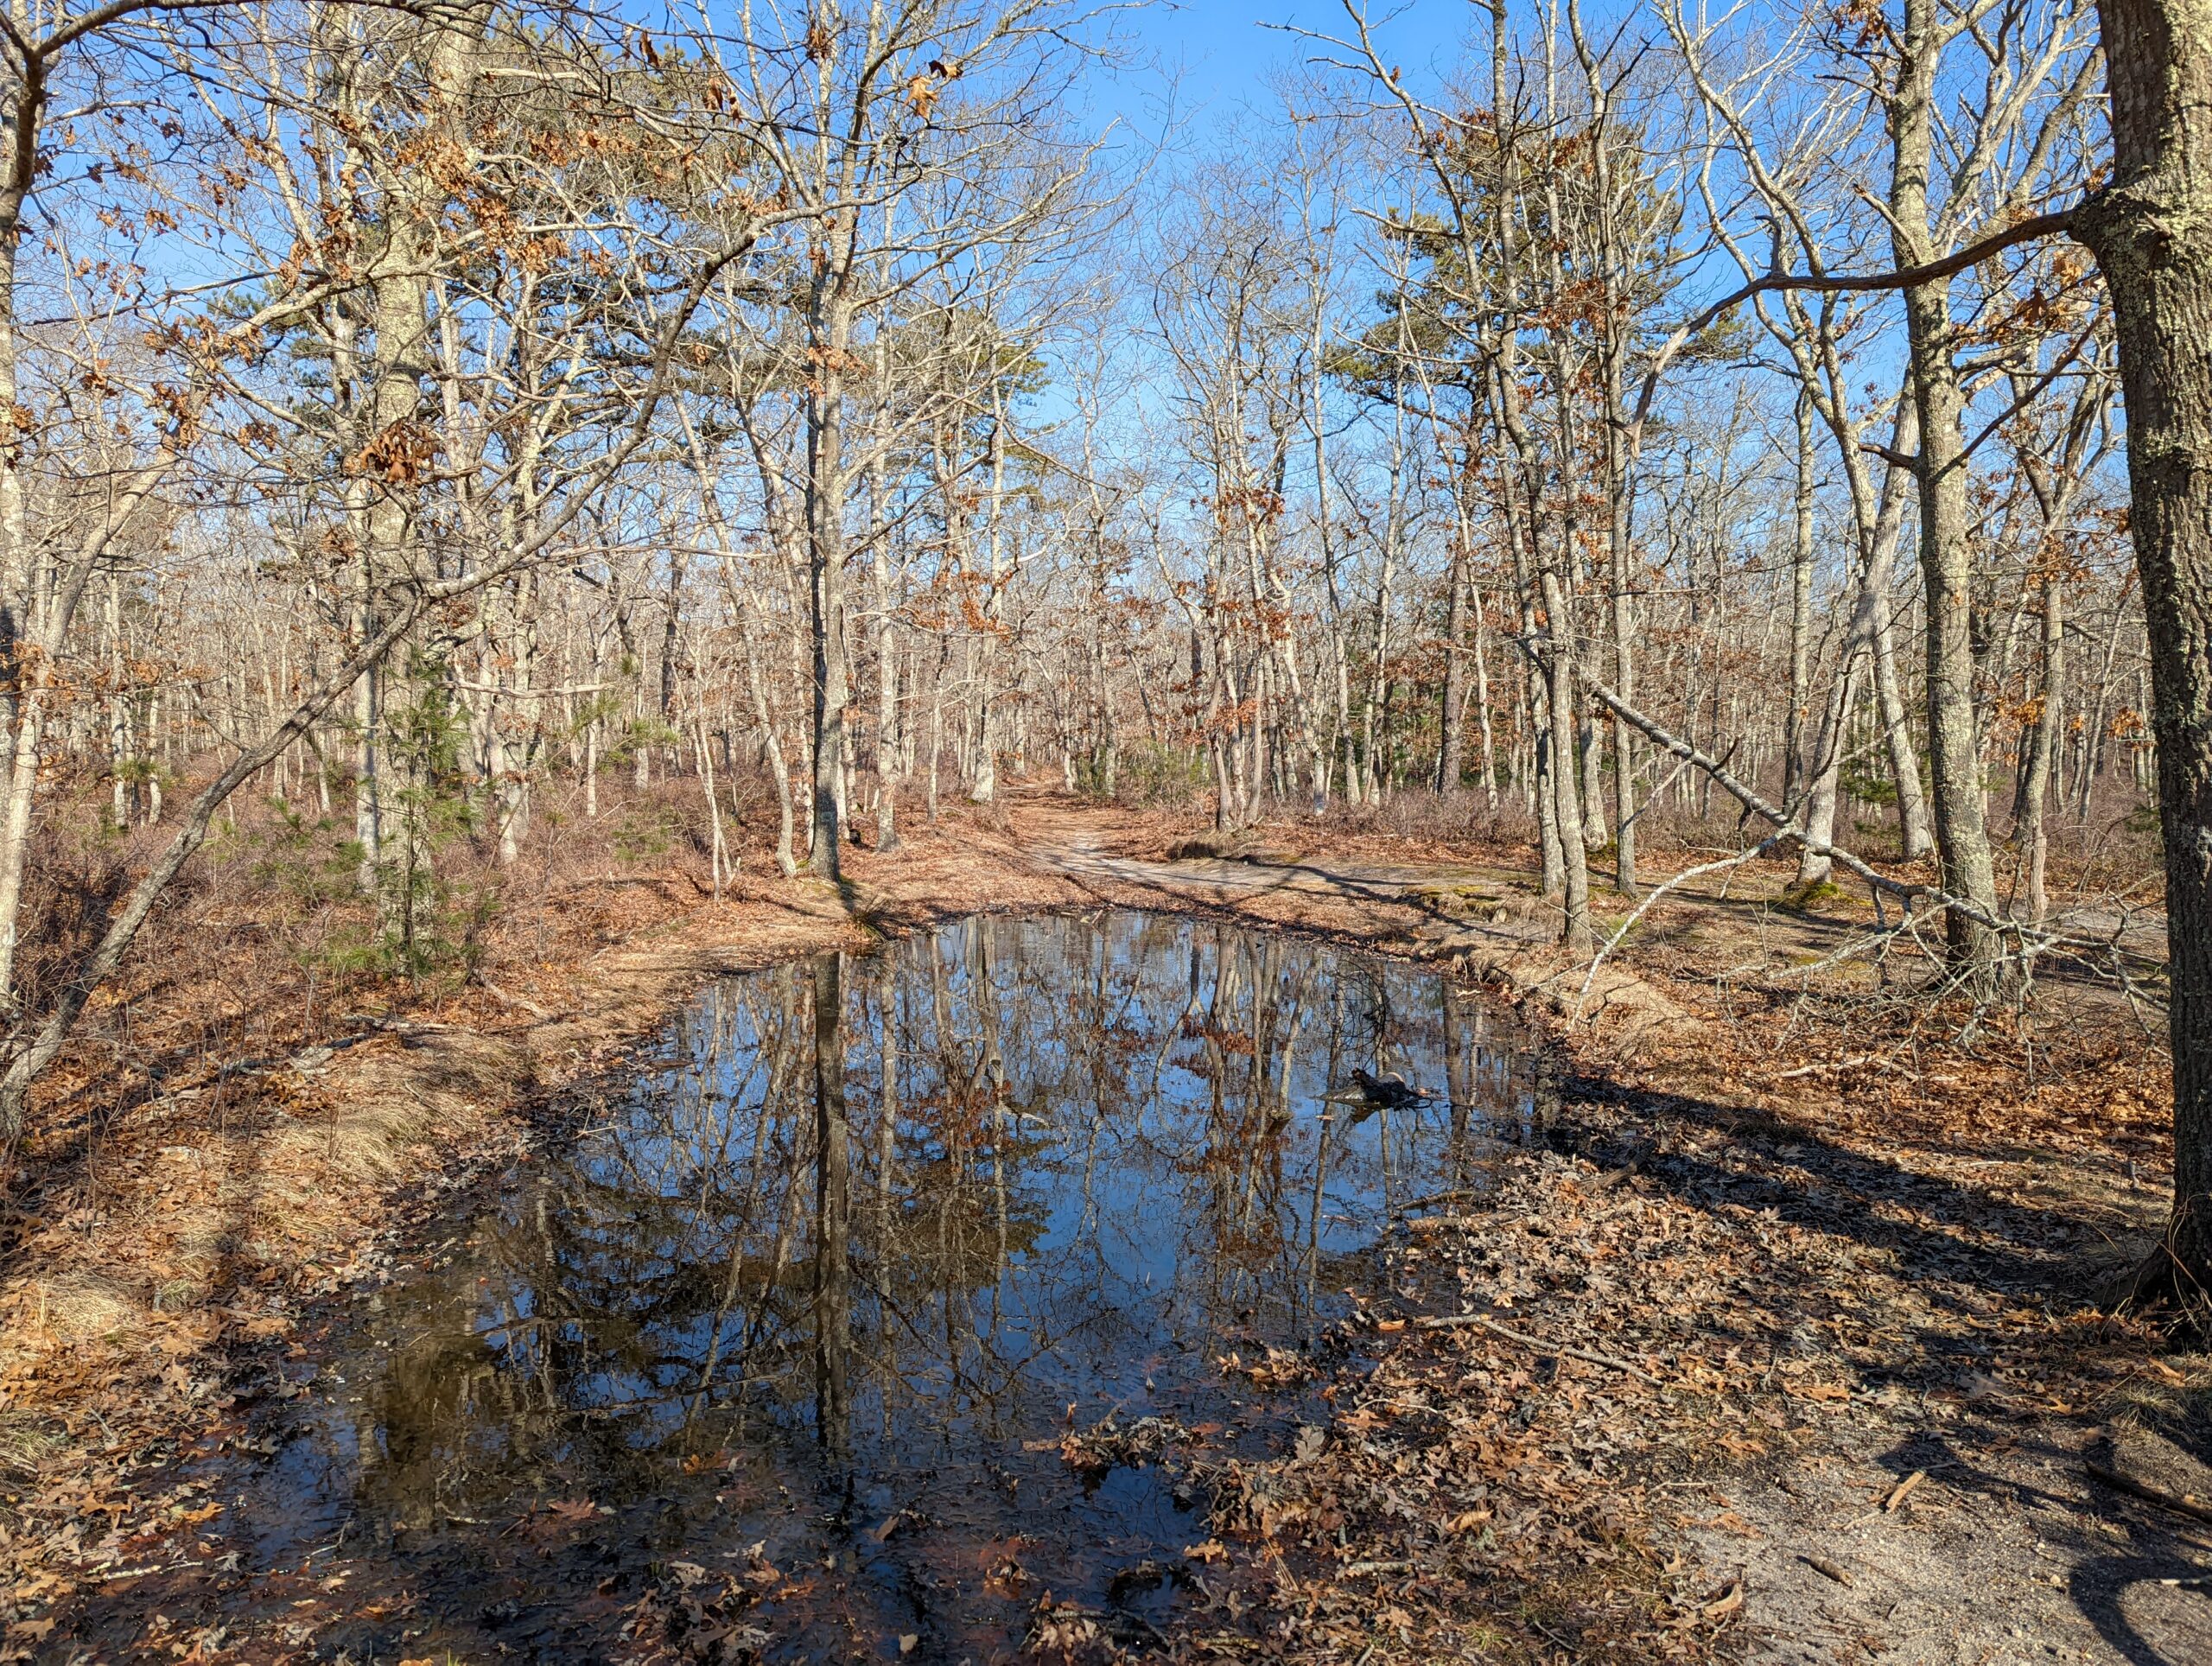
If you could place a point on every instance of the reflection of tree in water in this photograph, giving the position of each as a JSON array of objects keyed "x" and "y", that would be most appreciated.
[{"x": 927, "y": 1198}]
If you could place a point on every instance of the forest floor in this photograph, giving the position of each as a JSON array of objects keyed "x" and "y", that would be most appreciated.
[{"x": 1783, "y": 1347}]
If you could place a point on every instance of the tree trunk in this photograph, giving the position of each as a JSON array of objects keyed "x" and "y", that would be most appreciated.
[
  {"x": 1794, "y": 763},
  {"x": 25, "y": 668},
  {"x": 2152, "y": 232},
  {"x": 2035, "y": 818},
  {"x": 886, "y": 647},
  {"x": 825, "y": 561},
  {"x": 1946, "y": 559},
  {"x": 983, "y": 780},
  {"x": 1449, "y": 752},
  {"x": 1869, "y": 639},
  {"x": 1558, "y": 668}
]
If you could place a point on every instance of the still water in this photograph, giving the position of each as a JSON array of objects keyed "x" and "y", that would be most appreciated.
[{"x": 804, "y": 1310}]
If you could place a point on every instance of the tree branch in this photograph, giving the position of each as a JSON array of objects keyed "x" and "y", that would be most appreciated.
[{"x": 2055, "y": 224}]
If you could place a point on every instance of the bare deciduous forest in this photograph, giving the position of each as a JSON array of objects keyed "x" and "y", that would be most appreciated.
[{"x": 990, "y": 829}]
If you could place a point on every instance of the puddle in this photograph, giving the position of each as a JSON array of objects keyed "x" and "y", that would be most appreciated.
[{"x": 804, "y": 1312}]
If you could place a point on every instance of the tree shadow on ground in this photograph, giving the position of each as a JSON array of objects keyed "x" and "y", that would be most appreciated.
[
  {"x": 1955, "y": 1244},
  {"x": 2001, "y": 1245},
  {"x": 2102, "y": 1573}
]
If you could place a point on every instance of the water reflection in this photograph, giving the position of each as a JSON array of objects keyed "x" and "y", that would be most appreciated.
[{"x": 862, "y": 1229}]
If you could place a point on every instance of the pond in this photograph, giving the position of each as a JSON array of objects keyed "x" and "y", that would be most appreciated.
[{"x": 807, "y": 1309}]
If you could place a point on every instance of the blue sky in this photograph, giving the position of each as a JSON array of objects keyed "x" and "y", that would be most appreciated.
[
  {"x": 1225, "y": 49},
  {"x": 1231, "y": 39}
]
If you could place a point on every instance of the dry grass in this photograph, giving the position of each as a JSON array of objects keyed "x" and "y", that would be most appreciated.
[{"x": 68, "y": 1309}]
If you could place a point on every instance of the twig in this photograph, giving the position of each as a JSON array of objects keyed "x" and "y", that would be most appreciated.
[
  {"x": 1822, "y": 1565},
  {"x": 2159, "y": 1496},
  {"x": 1904, "y": 1488},
  {"x": 1355, "y": 1569},
  {"x": 1454, "y": 1321}
]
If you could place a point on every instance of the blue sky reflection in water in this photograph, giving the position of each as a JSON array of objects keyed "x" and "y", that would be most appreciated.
[{"x": 1110, "y": 1157}]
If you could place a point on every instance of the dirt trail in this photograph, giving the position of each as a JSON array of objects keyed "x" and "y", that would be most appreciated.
[{"x": 1083, "y": 854}]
